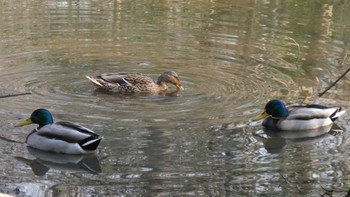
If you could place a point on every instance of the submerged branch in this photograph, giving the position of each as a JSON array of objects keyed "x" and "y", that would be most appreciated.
[
  {"x": 333, "y": 84},
  {"x": 13, "y": 95}
]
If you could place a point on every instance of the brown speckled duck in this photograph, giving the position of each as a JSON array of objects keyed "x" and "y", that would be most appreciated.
[{"x": 135, "y": 83}]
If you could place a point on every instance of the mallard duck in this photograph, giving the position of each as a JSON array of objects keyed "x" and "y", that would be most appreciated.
[
  {"x": 59, "y": 137},
  {"x": 134, "y": 83},
  {"x": 296, "y": 118}
]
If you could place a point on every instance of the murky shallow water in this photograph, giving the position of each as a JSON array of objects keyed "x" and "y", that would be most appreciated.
[{"x": 231, "y": 56}]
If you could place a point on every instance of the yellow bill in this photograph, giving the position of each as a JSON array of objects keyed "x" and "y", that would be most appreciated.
[
  {"x": 25, "y": 122},
  {"x": 179, "y": 86},
  {"x": 262, "y": 116}
]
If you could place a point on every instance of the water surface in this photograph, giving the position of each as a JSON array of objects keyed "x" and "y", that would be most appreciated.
[{"x": 231, "y": 56}]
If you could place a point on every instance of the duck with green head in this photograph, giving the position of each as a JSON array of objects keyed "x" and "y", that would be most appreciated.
[
  {"x": 60, "y": 137},
  {"x": 296, "y": 118}
]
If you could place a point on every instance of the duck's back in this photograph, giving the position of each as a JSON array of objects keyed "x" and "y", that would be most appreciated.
[
  {"x": 142, "y": 83},
  {"x": 130, "y": 83},
  {"x": 64, "y": 137},
  {"x": 311, "y": 112}
]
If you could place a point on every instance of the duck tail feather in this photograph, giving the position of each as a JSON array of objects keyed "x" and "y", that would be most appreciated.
[
  {"x": 90, "y": 143},
  {"x": 337, "y": 114},
  {"x": 93, "y": 80}
]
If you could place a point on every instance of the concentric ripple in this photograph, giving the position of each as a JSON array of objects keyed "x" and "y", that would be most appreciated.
[{"x": 230, "y": 91}]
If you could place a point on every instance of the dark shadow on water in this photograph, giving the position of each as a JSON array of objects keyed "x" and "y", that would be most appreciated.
[{"x": 75, "y": 163}]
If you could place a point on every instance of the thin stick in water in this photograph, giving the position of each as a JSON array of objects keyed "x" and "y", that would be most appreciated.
[
  {"x": 13, "y": 95},
  {"x": 333, "y": 84}
]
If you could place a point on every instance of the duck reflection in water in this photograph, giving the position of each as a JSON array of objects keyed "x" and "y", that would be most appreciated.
[
  {"x": 75, "y": 163},
  {"x": 276, "y": 141}
]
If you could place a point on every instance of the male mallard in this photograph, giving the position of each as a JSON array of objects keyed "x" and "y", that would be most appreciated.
[
  {"x": 134, "y": 83},
  {"x": 60, "y": 137},
  {"x": 296, "y": 118}
]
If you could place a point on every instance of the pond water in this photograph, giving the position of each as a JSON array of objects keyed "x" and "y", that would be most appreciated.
[{"x": 231, "y": 56}]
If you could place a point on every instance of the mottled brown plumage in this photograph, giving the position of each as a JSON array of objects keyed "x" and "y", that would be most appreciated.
[{"x": 135, "y": 83}]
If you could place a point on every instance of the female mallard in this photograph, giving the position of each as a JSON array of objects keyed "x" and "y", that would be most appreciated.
[
  {"x": 296, "y": 118},
  {"x": 134, "y": 83},
  {"x": 60, "y": 137}
]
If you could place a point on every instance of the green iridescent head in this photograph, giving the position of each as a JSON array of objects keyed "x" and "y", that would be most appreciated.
[
  {"x": 41, "y": 117},
  {"x": 275, "y": 108}
]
